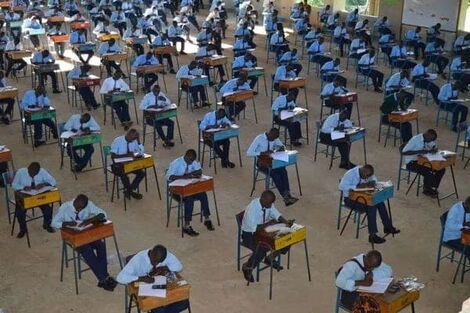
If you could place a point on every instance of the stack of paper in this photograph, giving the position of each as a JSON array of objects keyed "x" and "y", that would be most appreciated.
[
  {"x": 286, "y": 114},
  {"x": 378, "y": 286},
  {"x": 146, "y": 290},
  {"x": 182, "y": 182},
  {"x": 434, "y": 157},
  {"x": 34, "y": 192},
  {"x": 123, "y": 159},
  {"x": 281, "y": 156},
  {"x": 337, "y": 135}
]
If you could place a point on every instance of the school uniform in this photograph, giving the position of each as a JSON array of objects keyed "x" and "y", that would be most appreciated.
[
  {"x": 152, "y": 101},
  {"x": 87, "y": 94},
  {"x": 390, "y": 104},
  {"x": 294, "y": 127},
  {"x": 457, "y": 216},
  {"x": 420, "y": 76},
  {"x": 31, "y": 100},
  {"x": 149, "y": 78},
  {"x": 195, "y": 91},
  {"x": 120, "y": 107},
  {"x": 232, "y": 86},
  {"x": 446, "y": 94},
  {"x": 330, "y": 90},
  {"x": 221, "y": 147},
  {"x": 121, "y": 146},
  {"x": 329, "y": 125}
]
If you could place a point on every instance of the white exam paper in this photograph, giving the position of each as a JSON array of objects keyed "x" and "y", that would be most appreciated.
[
  {"x": 379, "y": 286},
  {"x": 146, "y": 290},
  {"x": 337, "y": 135}
]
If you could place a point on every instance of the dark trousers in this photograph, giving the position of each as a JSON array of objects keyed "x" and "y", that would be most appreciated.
[
  {"x": 234, "y": 109},
  {"x": 376, "y": 76},
  {"x": 174, "y": 40},
  {"x": 417, "y": 46},
  {"x": 294, "y": 128},
  {"x": 331, "y": 77},
  {"x": 192, "y": 20},
  {"x": 172, "y": 308},
  {"x": 220, "y": 68},
  {"x": 430, "y": 86},
  {"x": 432, "y": 179},
  {"x": 403, "y": 64},
  {"x": 95, "y": 256},
  {"x": 35, "y": 40},
  {"x": 167, "y": 57},
  {"x": 440, "y": 61},
  {"x": 121, "y": 26},
  {"x": 320, "y": 59},
  {"x": 149, "y": 80},
  {"x": 59, "y": 48},
  {"x": 128, "y": 186},
  {"x": 52, "y": 75},
  {"x": 10, "y": 102},
  {"x": 406, "y": 130},
  {"x": 347, "y": 106},
  {"x": 372, "y": 214},
  {"x": 341, "y": 42},
  {"x": 463, "y": 77},
  {"x": 12, "y": 62},
  {"x": 38, "y": 127},
  {"x": 197, "y": 92},
  {"x": 81, "y": 160},
  {"x": 258, "y": 255},
  {"x": 122, "y": 111},
  {"x": 88, "y": 96},
  {"x": 138, "y": 48},
  {"x": 188, "y": 203},
  {"x": 159, "y": 128},
  {"x": 343, "y": 146},
  {"x": 457, "y": 244},
  {"x": 109, "y": 65},
  {"x": 21, "y": 216},
  {"x": 221, "y": 147},
  {"x": 348, "y": 298},
  {"x": 280, "y": 178},
  {"x": 79, "y": 54},
  {"x": 456, "y": 109}
]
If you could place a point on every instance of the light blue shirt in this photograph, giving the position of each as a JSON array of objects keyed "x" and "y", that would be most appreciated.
[
  {"x": 412, "y": 35},
  {"x": 142, "y": 60},
  {"x": 351, "y": 272},
  {"x": 384, "y": 39},
  {"x": 312, "y": 35},
  {"x": 118, "y": 17},
  {"x": 174, "y": 31},
  {"x": 31, "y": 100},
  {"x": 432, "y": 49},
  {"x": 355, "y": 45},
  {"x": 211, "y": 120},
  {"x": 282, "y": 74},
  {"x": 447, "y": 93},
  {"x": 240, "y": 62},
  {"x": 22, "y": 179},
  {"x": 160, "y": 101},
  {"x": 280, "y": 103},
  {"x": 418, "y": 71},
  {"x": 106, "y": 48},
  {"x": 352, "y": 17},
  {"x": 398, "y": 52},
  {"x": 455, "y": 220},
  {"x": 158, "y": 41},
  {"x": 68, "y": 213},
  {"x": 351, "y": 179},
  {"x": 417, "y": 143},
  {"x": 456, "y": 64},
  {"x": 38, "y": 58},
  {"x": 330, "y": 67},
  {"x": 276, "y": 38},
  {"x": 367, "y": 60},
  {"x": 256, "y": 215},
  {"x": 461, "y": 42},
  {"x": 330, "y": 89},
  {"x": 242, "y": 32},
  {"x": 74, "y": 123},
  {"x": 241, "y": 44},
  {"x": 185, "y": 71},
  {"x": 332, "y": 122},
  {"x": 339, "y": 31},
  {"x": 396, "y": 81},
  {"x": 316, "y": 47},
  {"x": 75, "y": 73},
  {"x": 204, "y": 37},
  {"x": 231, "y": 85},
  {"x": 121, "y": 146},
  {"x": 261, "y": 144},
  {"x": 140, "y": 265},
  {"x": 179, "y": 167},
  {"x": 76, "y": 37}
]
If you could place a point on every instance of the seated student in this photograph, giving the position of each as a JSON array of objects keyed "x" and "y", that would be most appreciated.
[
  {"x": 278, "y": 42},
  {"x": 398, "y": 57},
  {"x": 158, "y": 100},
  {"x": 205, "y": 52},
  {"x": 312, "y": 35},
  {"x": 433, "y": 34},
  {"x": 362, "y": 270},
  {"x": 383, "y": 25},
  {"x": 129, "y": 145},
  {"x": 458, "y": 217},
  {"x": 204, "y": 37},
  {"x": 341, "y": 37},
  {"x": 174, "y": 35},
  {"x": 386, "y": 42},
  {"x": 218, "y": 119},
  {"x": 247, "y": 60},
  {"x": 119, "y": 20},
  {"x": 117, "y": 84},
  {"x": 5, "y": 113},
  {"x": 338, "y": 121},
  {"x": 397, "y": 101},
  {"x": 332, "y": 21},
  {"x": 242, "y": 44},
  {"x": 59, "y": 47},
  {"x": 399, "y": 81},
  {"x": 422, "y": 144},
  {"x": 82, "y": 212},
  {"x": 448, "y": 92},
  {"x": 45, "y": 57},
  {"x": 422, "y": 80},
  {"x": 363, "y": 177},
  {"x": 30, "y": 178},
  {"x": 361, "y": 29},
  {"x": 110, "y": 47},
  {"x": 335, "y": 88},
  {"x": 284, "y": 72},
  {"x": 84, "y": 124},
  {"x": 34, "y": 99},
  {"x": 365, "y": 66},
  {"x": 236, "y": 84},
  {"x": 133, "y": 33},
  {"x": 186, "y": 167},
  {"x": 79, "y": 37},
  {"x": 161, "y": 41},
  {"x": 413, "y": 38},
  {"x": 287, "y": 102},
  {"x": 357, "y": 48},
  {"x": 291, "y": 57},
  {"x": 103, "y": 27},
  {"x": 87, "y": 94},
  {"x": 301, "y": 26},
  {"x": 462, "y": 41},
  {"x": 352, "y": 18},
  {"x": 146, "y": 264},
  {"x": 147, "y": 59},
  {"x": 458, "y": 68},
  {"x": 260, "y": 211},
  {"x": 433, "y": 52},
  {"x": 33, "y": 23},
  {"x": 330, "y": 71},
  {"x": 265, "y": 144},
  {"x": 316, "y": 52},
  {"x": 197, "y": 92},
  {"x": 324, "y": 13}
]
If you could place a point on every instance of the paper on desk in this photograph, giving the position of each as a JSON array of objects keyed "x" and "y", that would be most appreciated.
[
  {"x": 181, "y": 182},
  {"x": 281, "y": 156},
  {"x": 2, "y": 147},
  {"x": 432, "y": 76},
  {"x": 29, "y": 109},
  {"x": 79, "y": 228},
  {"x": 285, "y": 114},
  {"x": 337, "y": 135},
  {"x": 146, "y": 290},
  {"x": 384, "y": 184},
  {"x": 282, "y": 228},
  {"x": 122, "y": 160},
  {"x": 34, "y": 192},
  {"x": 434, "y": 157},
  {"x": 379, "y": 286},
  {"x": 67, "y": 134}
]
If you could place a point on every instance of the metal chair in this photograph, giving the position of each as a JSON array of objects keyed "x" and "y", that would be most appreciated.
[
  {"x": 388, "y": 133},
  {"x": 362, "y": 76},
  {"x": 464, "y": 144},
  {"x": 422, "y": 93},
  {"x": 325, "y": 151},
  {"x": 356, "y": 218},
  {"x": 200, "y": 154},
  {"x": 268, "y": 182},
  {"x": 449, "y": 111},
  {"x": 7, "y": 181},
  {"x": 338, "y": 304},
  {"x": 402, "y": 168}
]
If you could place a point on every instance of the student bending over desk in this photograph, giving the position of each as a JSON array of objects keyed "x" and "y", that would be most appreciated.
[{"x": 458, "y": 218}]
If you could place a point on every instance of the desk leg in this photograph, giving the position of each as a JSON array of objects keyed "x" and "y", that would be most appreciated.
[
  {"x": 390, "y": 213},
  {"x": 458, "y": 267},
  {"x": 464, "y": 262},
  {"x": 307, "y": 260},
  {"x": 239, "y": 151},
  {"x": 75, "y": 255},
  {"x": 216, "y": 208},
  {"x": 358, "y": 113},
  {"x": 298, "y": 178},
  {"x": 306, "y": 98},
  {"x": 117, "y": 250},
  {"x": 265, "y": 85},
  {"x": 364, "y": 147},
  {"x": 254, "y": 110},
  {"x": 156, "y": 180},
  {"x": 412, "y": 307},
  {"x": 135, "y": 110},
  {"x": 62, "y": 261},
  {"x": 453, "y": 181},
  {"x": 179, "y": 129}
]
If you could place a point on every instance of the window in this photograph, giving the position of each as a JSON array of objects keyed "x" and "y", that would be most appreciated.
[
  {"x": 464, "y": 23},
  {"x": 317, "y": 3},
  {"x": 366, "y": 7}
]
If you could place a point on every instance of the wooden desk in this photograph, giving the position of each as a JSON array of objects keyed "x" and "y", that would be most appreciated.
[
  {"x": 5, "y": 155},
  {"x": 82, "y": 140},
  {"x": 253, "y": 72},
  {"x": 80, "y": 25},
  {"x": 372, "y": 198},
  {"x": 45, "y": 68},
  {"x": 221, "y": 133},
  {"x": 215, "y": 60},
  {"x": 146, "y": 69},
  {"x": 26, "y": 201},
  {"x": 396, "y": 302},
  {"x": 84, "y": 47},
  {"x": 193, "y": 81},
  {"x": 119, "y": 96},
  {"x": 60, "y": 38},
  {"x": 88, "y": 81},
  {"x": 8, "y": 93},
  {"x": 45, "y": 113},
  {"x": 137, "y": 164},
  {"x": 16, "y": 55},
  {"x": 276, "y": 242},
  {"x": 5, "y": 4},
  {"x": 202, "y": 185},
  {"x": 298, "y": 82},
  {"x": 164, "y": 113},
  {"x": 267, "y": 161},
  {"x": 80, "y": 238},
  {"x": 403, "y": 116},
  {"x": 116, "y": 57},
  {"x": 136, "y": 40},
  {"x": 165, "y": 50},
  {"x": 466, "y": 237},
  {"x": 56, "y": 19},
  {"x": 450, "y": 157},
  {"x": 239, "y": 96},
  {"x": 107, "y": 37}
]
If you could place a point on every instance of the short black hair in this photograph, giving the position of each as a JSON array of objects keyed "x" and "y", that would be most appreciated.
[
  {"x": 160, "y": 250},
  {"x": 191, "y": 152}
]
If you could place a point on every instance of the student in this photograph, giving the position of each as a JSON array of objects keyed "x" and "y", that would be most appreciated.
[
  {"x": 234, "y": 85},
  {"x": 117, "y": 84},
  {"x": 278, "y": 42},
  {"x": 287, "y": 102},
  {"x": 448, "y": 92},
  {"x": 291, "y": 57},
  {"x": 341, "y": 37},
  {"x": 316, "y": 52},
  {"x": 245, "y": 61},
  {"x": 197, "y": 92},
  {"x": 362, "y": 270},
  {"x": 133, "y": 33},
  {"x": 285, "y": 72},
  {"x": 399, "y": 81},
  {"x": 143, "y": 266},
  {"x": 85, "y": 124},
  {"x": 110, "y": 47},
  {"x": 357, "y": 48},
  {"x": 352, "y": 18},
  {"x": 397, "y": 101},
  {"x": 158, "y": 100},
  {"x": 462, "y": 41},
  {"x": 260, "y": 211},
  {"x": 422, "y": 79},
  {"x": 413, "y": 38},
  {"x": 335, "y": 122},
  {"x": 206, "y": 52},
  {"x": 34, "y": 99},
  {"x": 330, "y": 71},
  {"x": 363, "y": 177},
  {"x": 458, "y": 217},
  {"x": 161, "y": 41},
  {"x": 42, "y": 58},
  {"x": 87, "y": 94},
  {"x": 174, "y": 35},
  {"x": 5, "y": 113},
  {"x": 143, "y": 60},
  {"x": 128, "y": 145},
  {"x": 78, "y": 37},
  {"x": 82, "y": 212},
  {"x": 186, "y": 167},
  {"x": 335, "y": 88},
  {"x": 433, "y": 52},
  {"x": 422, "y": 144},
  {"x": 399, "y": 55},
  {"x": 263, "y": 145},
  {"x": 59, "y": 47},
  {"x": 365, "y": 66},
  {"x": 29, "y": 178}
]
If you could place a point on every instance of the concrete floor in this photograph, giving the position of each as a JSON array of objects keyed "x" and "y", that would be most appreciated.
[{"x": 30, "y": 277}]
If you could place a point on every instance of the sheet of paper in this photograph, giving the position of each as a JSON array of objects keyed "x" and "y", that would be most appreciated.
[
  {"x": 67, "y": 134},
  {"x": 122, "y": 160},
  {"x": 337, "y": 135},
  {"x": 384, "y": 184},
  {"x": 181, "y": 182},
  {"x": 34, "y": 192},
  {"x": 276, "y": 227},
  {"x": 285, "y": 114},
  {"x": 379, "y": 286},
  {"x": 434, "y": 157},
  {"x": 432, "y": 76},
  {"x": 79, "y": 228},
  {"x": 281, "y": 156},
  {"x": 364, "y": 189},
  {"x": 146, "y": 290}
]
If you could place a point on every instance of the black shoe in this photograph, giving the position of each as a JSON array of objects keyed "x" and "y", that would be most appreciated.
[
  {"x": 96, "y": 106},
  {"x": 172, "y": 71},
  {"x": 136, "y": 195},
  {"x": 392, "y": 231},
  {"x": 57, "y": 91},
  {"x": 289, "y": 200},
  {"x": 106, "y": 285},
  {"x": 127, "y": 194},
  {"x": 38, "y": 143},
  {"x": 248, "y": 274},
  {"x": 296, "y": 143},
  {"x": 230, "y": 164},
  {"x": 224, "y": 164},
  {"x": 378, "y": 89},
  {"x": 48, "y": 228},
  {"x": 112, "y": 282},
  {"x": 190, "y": 231},
  {"x": 206, "y": 104},
  {"x": 376, "y": 239},
  {"x": 209, "y": 225},
  {"x": 6, "y": 120},
  {"x": 430, "y": 193},
  {"x": 344, "y": 165},
  {"x": 21, "y": 234},
  {"x": 55, "y": 135},
  {"x": 275, "y": 264}
]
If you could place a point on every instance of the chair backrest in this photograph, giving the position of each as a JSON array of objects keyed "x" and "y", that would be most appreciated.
[
  {"x": 443, "y": 219},
  {"x": 239, "y": 218},
  {"x": 61, "y": 127},
  {"x": 107, "y": 154}
]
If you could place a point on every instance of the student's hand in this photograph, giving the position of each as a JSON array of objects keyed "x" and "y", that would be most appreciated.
[
  {"x": 282, "y": 148},
  {"x": 39, "y": 186},
  {"x": 368, "y": 280},
  {"x": 363, "y": 185},
  {"x": 371, "y": 184},
  {"x": 434, "y": 150},
  {"x": 290, "y": 222},
  {"x": 86, "y": 130},
  {"x": 73, "y": 223},
  {"x": 27, "y": 188},
  {"x": 73, "y": 130}
]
